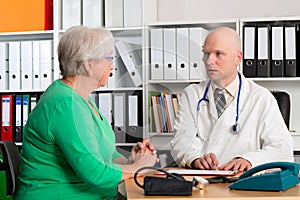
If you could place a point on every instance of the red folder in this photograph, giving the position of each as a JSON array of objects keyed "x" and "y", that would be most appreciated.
[{"x": 7, "y": 117}]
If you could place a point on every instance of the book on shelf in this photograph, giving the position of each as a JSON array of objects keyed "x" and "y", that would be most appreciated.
[{"x": 162, "y": 108}]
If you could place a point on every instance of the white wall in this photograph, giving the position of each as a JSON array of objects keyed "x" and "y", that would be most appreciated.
[{"x": 192, "y": 10}]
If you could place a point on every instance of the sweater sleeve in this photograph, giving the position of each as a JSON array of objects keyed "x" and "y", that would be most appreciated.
[{"x": 87, "y": 144}]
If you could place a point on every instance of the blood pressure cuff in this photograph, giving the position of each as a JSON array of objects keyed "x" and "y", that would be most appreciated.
[{"x": 171, "y": 185}]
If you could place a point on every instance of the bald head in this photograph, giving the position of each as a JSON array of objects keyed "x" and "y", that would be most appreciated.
[
  {"x": 222, "y": 55},
  {"x": 226, "y": 34}
]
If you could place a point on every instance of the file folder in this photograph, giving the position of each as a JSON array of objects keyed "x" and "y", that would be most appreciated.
[
  {"x": 36, "y": 65},
  {"x": 105, "y": 106},
  {"x": 14, "y": 65},
  {"x": 26, "y": 65},
  {"x": 3, "y": 66},
  {"x": 182, "y": 53},
  {"x": 290, "y": 50},
  {"x": 114, "y": 13},
  {"x": 135, "y": 118},
  {"x": 156, "y": 51},
  {"x": 71, "y": 13},
  {"x": 33, "y": 101},
  {"x": 171, "y": 112},
  {"x": 197, "y": 37},
  {"x": 132, "y": 13},
  {"x": 111, "y": 81},
  {"x": 121, "y": 77},
  {"x": 165, "y": 112},
  {"x": 7, "y": 117},
  {"x": 93, "y": 13},
  {"x": 18, "y": 118},
  {"x": 131, "y": 57},
  {"x": 249, "y": 58},
  {"x": 119, "y": 112},
  {"x": 263, "y": 51},
  {"x": 277, "y": 49},
  {"x": 152, "y": 110},
  {"x": 169, "y": 53},
  {"x": 157, "y": 115},
  {"x": 46, "y": 63},
  {"x": 25, "y": 108}
]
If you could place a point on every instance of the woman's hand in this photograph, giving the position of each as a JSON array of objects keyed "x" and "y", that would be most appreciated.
[{"x": 142, "y": 147}]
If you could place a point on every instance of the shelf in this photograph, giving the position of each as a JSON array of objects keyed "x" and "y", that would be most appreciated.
[
  {"x": 161, "y": 134},
  {"x": 21, "y": 91},
  {"x": 269, "y": 19},
  {"x": 276, "y": 79},
  {"x": 28, "y": 35},
  {"x": 125, "y": 144},
  {"x": 119, "y": 89},
  {"x": 172, "y": 81},
  {"x": 208, "y": 24}
]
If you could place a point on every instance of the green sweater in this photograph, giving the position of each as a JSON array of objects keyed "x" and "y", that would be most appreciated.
[{"x": 67, "y": 150}]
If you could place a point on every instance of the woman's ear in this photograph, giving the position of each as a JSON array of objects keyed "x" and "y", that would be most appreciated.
[{"x": 87, "y": 66}]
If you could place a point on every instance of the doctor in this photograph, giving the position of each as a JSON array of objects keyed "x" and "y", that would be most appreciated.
[{"x": 248, "y": 131}]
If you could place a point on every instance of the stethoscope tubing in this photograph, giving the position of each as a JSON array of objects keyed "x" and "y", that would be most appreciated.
[{"x": 204, "y": 98}]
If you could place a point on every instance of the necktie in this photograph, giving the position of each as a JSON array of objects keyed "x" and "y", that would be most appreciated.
[{"x": 220, "y": 100}]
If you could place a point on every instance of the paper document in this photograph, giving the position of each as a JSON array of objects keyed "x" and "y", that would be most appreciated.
[{"x": 202, "y": 172}]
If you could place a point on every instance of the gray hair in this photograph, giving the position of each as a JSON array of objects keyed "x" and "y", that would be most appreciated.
[{"x": 79, "y": 44}]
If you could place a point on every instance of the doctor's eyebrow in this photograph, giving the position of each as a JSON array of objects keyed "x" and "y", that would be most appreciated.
[{"x": 217, "y": 52}]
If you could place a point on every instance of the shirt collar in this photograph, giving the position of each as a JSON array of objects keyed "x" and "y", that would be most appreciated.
[{"x": 231, "y": 88}]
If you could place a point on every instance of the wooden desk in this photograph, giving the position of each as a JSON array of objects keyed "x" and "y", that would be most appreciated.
[{"x": 216, "y": 192}]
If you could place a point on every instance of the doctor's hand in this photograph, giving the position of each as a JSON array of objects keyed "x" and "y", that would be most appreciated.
[
  {"x": 236, "y": 164},
  {"x": 207, "y": 161}
]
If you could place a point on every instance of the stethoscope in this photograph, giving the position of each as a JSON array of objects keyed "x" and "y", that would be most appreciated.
[{"x": 235, "y": 127}]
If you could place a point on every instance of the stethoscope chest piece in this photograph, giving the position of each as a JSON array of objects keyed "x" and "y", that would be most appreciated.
[{"x": 236, "y": 128}]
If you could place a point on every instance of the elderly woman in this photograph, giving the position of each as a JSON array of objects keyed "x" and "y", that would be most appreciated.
[{"x": 68, "y": 149}]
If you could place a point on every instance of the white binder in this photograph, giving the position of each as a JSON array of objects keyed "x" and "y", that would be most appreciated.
[
  {"x": 197, "y": 36},
  {"x": 3, "y": 66},
  {"x": 111, "y": 79},
  {"x": 290, "y": 35},
  {"x": 119, "y": 111},
  {"x": 36, "y": 65},
  {"x": 105, "y": 106},
  {"x": 156, "y": 51},
  {"x": 263, "y": 55},
  {"x": 114, "y": 13},
  {"x": 119, "y": 71},
  {"x": 182, "y": 53},
  {"x": 250, "y": 48},
  {"x": 14, "y": 65},
  {"x": 71, "y": 13},
  {"x": 26, "y": 65},
  {"x": 169, "y": 53},
  {"x": 93, "y": 13},
  {"x": 134, "y": 128},
  {"x": 132, "y": 13},
  {"x": 277, "y": 55},
  {"x": 33, "y": 101},
  {"x": 131, "y": 57},
  {"x": 45, "y": 63}
]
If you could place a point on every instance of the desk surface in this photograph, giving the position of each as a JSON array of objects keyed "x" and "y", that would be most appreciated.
[{"x": 215, "y": 192}]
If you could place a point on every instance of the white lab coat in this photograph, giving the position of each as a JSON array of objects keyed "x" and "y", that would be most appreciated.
[{"x": 263, "y": 135}]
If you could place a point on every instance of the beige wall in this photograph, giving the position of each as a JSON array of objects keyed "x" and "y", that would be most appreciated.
[{"x": 191, "y": 10}]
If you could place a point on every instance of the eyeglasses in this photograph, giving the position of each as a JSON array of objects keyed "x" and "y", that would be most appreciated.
[{"x": 110, "y": 58}]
